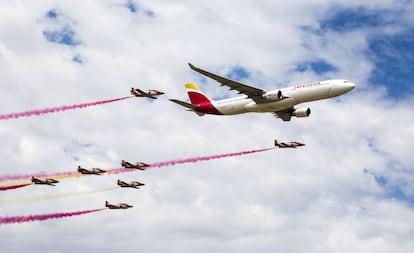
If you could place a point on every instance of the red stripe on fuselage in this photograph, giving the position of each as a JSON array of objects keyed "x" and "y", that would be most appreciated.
[
  {"x": 198, "y": 98},
  {"x": 208, "y": 108}
]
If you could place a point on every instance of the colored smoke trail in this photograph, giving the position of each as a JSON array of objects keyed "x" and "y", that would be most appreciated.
[
  {"x": 12, "y": 187},
  {"x": 70, "y": 174},
  {"x": 54, "y": 196},
  {"x": 57, "y": 109},
  {"x": 42, "y": 217},
  {"x": 206, "y": 158},
  {"x": 56, "y": 175},
  {"x": 192, "y": 160}
]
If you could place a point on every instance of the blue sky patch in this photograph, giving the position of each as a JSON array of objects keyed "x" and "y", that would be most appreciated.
[
  {"x": 392, "y": 190},
  {"x": 350, "y": 19},
  {"x": 77, "y": 58},
  {"x": 393, "y": 57},
  {"x": 238, "y": 73},
  {"x": 150, "y": 14},
  {"x": 131, "y": 6},
  {"x": 66, "y": 36},
  {"x": 52, "y": 14},
  {"x": 319, "y": 67},
  {"x": 59, "y": 29}
]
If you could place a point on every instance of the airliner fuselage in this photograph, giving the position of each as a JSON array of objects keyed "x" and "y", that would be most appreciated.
[
  {"x": 294, "y": 95},
  {"x": 279, "y": 102}
]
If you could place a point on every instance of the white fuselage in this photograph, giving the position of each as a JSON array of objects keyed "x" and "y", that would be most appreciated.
[{"x": 292, "y": 96}]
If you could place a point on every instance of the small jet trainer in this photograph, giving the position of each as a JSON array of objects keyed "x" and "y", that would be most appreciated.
[
  {"x": 137, "y": 165},
  {"x": 93, "y": 171},
  {"x": 292, "y": 144},
  {"x": 149, "y": 94},
  {"x": 133, "y": 184},
  {"x": 280, "y": 102},
  {"x": 118, "y": 206},
  {"x": 47, "y": 181}
]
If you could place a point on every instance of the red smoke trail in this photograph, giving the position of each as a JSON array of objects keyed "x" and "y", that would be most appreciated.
[
  {"x": 42, "y": 217},
  {"x": 56, "y": 109},
  {"x": 12, "y": 187},
  {"x": 192, "y": 160}
]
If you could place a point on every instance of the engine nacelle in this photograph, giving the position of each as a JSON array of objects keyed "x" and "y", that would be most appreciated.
[
  {"x": 273, "y": 95},
  {"x": 301, "y": 112}
]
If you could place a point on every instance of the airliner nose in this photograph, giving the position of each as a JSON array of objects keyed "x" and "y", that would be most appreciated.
[
  {"x": 342, "y": 87},
  {"x": 351, "y": 85},
  {"x": 348, "y": 86}
]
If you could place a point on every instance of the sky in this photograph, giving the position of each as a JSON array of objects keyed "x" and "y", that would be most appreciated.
[{"x": 351, "y": 188}]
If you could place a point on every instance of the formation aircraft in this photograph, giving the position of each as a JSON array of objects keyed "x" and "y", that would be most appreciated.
[
  {"x": 93, "y": 171},
  {"x": 118, "y": 206},
  {"x": 292, "y": 144},
  {"x": 133, "y": 184},
  {"x": 47, "y": 181},
  {"x": 280, "y": 102},
  {"x": 137, "y": 165},
  {"x": 149, "y": 94}
]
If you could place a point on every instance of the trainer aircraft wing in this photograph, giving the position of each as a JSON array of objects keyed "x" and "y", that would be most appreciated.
[
  {"x": 118, "y": 206},
  {"x": 251, "y": 92},
  {"x": 137, "y": 165},
  {"x": 48, "y": 181}
]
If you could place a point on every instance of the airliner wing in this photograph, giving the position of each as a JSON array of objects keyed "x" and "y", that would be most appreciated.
[
  {"x": 285, "y": 115},
  {"x": 251, "y": 92}
]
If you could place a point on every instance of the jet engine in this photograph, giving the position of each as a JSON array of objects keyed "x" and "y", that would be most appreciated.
[
  {"x": 273, "y": 95},
  {"x": 301, "y": 112}
]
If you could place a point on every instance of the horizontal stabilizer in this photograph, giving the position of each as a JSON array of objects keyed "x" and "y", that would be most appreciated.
[
  {"x": 185, "y": 104},
  {"x": 190, "y": 107}
]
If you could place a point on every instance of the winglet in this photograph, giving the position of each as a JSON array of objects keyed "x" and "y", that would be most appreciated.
[{"x": 192, "y": 66}]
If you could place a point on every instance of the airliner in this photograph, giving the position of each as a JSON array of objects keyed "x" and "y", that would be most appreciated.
[{"x": 280, "y": 102}]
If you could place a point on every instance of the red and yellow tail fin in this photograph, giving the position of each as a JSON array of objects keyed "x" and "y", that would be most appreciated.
[
  {"x": 196, "y": 96},
  {"x": 200, "y": 103}
]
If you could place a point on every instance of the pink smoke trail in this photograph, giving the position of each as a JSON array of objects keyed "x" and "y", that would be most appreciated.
[
  {"x": 42, "y": 217},
  {"x": 57, "y": 109},
  {"x": 12, "y": 187},
  {"x": 192, "y": 160},
  {"x": 206, "y": 158},
  {"x": 40, "y": 174},
  {"x": 123, "y": 170}
]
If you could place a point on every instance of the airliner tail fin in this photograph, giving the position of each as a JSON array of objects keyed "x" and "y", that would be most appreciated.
[{"x": 196, "y": 96}]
